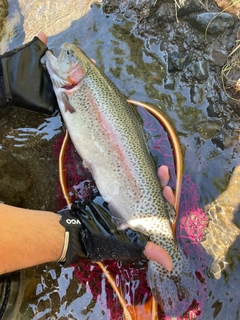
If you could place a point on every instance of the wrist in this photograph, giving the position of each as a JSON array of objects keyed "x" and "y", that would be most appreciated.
[
  {"x": 55, "y": 237},
  {"x": 36, "y": 237}
]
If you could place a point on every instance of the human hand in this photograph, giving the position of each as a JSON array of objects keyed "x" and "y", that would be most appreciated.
[
  {"x": 93, "y": 235},
  {"x": 24, "y": 80}
]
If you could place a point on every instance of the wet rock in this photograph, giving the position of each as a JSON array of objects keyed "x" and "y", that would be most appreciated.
[
  {"x": 212, "y": 22},
  {"x": 196, "y": 94},
  {"x": 177, "y": 61},
  {"x": 212, "y": 110},
  {"x": 199, "y": 70},
  {"x": 193, "y": 42},
  {"x": 166, "y": 12},
  {"x": 14, "y": 179},
  {"x": 189, "y": 7},
  {"x": 219, "y": 56},
  {"x": 141, "y": 8}
]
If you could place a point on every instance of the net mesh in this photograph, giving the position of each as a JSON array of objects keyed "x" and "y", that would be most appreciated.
[{"x": 131, "y": 277}]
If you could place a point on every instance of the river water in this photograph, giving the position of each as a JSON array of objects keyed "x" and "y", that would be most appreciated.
[{"x": 210, "y": 145}]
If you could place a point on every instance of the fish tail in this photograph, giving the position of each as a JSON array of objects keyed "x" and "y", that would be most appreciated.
[{"x": 174, "y": 291}]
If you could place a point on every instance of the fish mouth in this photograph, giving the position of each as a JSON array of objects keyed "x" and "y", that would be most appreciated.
[
  {"x": 52, "y": 66},
  {"x": 65, "y": 73}
]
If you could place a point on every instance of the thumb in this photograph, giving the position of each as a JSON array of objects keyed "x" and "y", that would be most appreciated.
[{"x": 158, "y": 254}]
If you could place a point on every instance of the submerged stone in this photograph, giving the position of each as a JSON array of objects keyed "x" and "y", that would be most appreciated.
[
  {"x": 199, "y": 70},
  {"x": 110, "y": 6},
  {"x": 169, "y": 82},
  {"x": 218, "y": 142},
  {"x": 177, "y": 61},
  {"x": 212, "y": 110}
]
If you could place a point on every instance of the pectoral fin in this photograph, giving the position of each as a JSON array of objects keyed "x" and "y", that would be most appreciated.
[{"x": 68, "y": 106}]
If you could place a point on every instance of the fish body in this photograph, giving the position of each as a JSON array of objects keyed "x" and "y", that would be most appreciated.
[{"x": 109, "y": 138}]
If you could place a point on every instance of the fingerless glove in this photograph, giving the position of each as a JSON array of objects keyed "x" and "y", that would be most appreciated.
[
  {"x": 24, "y": 80},
  {"x": 92, "y": 234}
]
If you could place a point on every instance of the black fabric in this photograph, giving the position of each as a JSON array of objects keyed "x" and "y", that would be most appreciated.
[
  {"x": 24, "y": 80},
  {"x": 11, "y": 294},
  {"x": 94, "y": 236}
]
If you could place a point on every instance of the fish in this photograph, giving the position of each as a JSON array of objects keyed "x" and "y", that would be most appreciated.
[{"x": 109, "y": 137}]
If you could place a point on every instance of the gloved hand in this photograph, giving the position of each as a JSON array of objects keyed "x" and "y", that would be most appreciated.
[
  {"x": 93, "y": 235},
  {"x": 24, "y": 80}
]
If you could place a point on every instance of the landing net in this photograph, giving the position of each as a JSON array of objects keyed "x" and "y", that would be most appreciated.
[{"x": 131, "y": 277}]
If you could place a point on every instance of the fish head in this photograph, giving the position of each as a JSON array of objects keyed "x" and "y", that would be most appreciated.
[{"x": 68, "y": 68}]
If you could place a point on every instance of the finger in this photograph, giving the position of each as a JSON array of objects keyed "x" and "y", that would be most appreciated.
[
  {"x": 164, "y": 176},
  {"x": 169, "y": 195},
  {"x": 41, "y": 35},
  {"x": 158, "y": 254}
]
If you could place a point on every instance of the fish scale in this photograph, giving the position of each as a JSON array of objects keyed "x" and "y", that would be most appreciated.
[{"x": 109, "y": 138}]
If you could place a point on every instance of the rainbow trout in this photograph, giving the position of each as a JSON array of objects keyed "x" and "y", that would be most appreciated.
[{"x": 109, "y": 138}]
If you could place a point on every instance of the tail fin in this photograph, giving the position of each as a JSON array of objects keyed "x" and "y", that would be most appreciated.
[{"x": 174, "y": 291}]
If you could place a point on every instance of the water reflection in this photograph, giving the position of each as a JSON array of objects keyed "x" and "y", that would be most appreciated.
[
  {"x": 222, "y": 212},
  {"x": 46, "y": 130}
]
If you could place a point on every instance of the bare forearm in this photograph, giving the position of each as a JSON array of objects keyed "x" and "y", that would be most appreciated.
[{"x": 28, "y": 238}]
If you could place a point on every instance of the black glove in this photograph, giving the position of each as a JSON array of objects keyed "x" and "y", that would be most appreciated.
[
  {"x": 24, "y": 80},
  {"x": 93, "y": 235}
]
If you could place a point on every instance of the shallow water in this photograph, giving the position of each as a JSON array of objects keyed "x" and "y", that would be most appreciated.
[{"x": 138, "y": 67}]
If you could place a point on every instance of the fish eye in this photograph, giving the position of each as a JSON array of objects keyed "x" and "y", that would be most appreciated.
[{"x": 68, "y": 52}]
